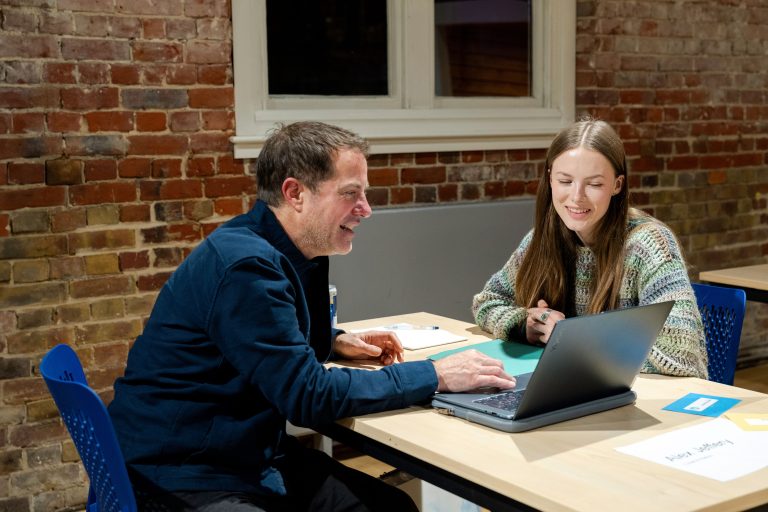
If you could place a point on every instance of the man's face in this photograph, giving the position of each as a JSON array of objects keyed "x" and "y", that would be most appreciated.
[{"x": 336, "y": 208}]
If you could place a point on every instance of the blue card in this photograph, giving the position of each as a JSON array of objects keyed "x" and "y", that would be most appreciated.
[{"x": 703, "y": 405}]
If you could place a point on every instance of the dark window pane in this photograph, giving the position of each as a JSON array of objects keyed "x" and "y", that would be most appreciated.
[
  {"x": 482, "y": 48},
  {"x": 328, "y": 47}
]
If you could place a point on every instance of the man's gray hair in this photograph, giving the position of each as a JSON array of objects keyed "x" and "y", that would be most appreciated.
[{"x": 304, "y": 150}]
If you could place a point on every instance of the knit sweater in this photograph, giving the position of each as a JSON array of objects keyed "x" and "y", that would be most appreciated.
[{"x": 654, "y": 271}]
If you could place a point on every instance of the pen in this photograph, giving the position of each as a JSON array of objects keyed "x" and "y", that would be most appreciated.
[{"x": 413, "y": 327}]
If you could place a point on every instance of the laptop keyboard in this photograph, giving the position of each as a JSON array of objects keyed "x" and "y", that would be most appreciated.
[{"x": 507, "y": 401}]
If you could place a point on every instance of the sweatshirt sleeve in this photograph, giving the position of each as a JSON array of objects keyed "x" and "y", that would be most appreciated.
[
  {"x": 255, "y": 322},
  {"x": 495, "y": 308},
  {"x": 680, "y": 348}
]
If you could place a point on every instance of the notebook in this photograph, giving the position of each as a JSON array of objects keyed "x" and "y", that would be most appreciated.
[{"x": 588, "y": 366}]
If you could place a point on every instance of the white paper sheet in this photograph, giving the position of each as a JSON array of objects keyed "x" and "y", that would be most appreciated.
[{"x": 717, "y": 449}]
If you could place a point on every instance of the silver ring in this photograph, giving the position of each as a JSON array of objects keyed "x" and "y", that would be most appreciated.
[{"x": 545, "y": 315}]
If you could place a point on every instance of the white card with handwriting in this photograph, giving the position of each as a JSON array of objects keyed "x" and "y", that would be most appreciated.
[{"x": 716, "y": 449}]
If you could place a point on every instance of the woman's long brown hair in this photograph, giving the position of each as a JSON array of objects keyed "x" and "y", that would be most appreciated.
[{"x": 548, "y": 268}]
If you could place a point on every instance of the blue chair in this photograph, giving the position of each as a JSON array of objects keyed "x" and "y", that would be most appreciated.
[
  {"x": 91, "y": 429},
  {"x": 722, "y": 311}
]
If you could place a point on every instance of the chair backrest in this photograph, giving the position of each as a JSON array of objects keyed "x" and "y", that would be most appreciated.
[
  {"x": 722, "y": 310},
  {"x": 91, "y": 429}
]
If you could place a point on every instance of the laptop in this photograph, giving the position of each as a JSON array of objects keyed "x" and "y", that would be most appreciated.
[{"x": 588, "y": 366}]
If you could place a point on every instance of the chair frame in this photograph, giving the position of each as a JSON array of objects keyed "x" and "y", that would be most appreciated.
[
  {"x": 722, "y": 312},
  {"x": 90, "y": 428}
]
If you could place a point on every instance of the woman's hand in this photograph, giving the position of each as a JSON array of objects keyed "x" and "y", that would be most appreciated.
[{"x": 540, "y": 322}]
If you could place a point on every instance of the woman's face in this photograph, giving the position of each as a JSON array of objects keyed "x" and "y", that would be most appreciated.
[{"x": 583, "y": 182}]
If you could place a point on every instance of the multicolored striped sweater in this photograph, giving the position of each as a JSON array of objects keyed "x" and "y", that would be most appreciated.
[{"x": 654, "y": 271}]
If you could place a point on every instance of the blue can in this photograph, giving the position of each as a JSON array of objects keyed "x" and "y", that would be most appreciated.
[{"x": 334, "y": 308}]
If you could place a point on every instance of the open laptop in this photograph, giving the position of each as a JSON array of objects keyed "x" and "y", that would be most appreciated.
[{"x": 588, "y": 366}]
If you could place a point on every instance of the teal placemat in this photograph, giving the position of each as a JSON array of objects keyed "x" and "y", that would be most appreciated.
[{"x": 518, "y": 358}]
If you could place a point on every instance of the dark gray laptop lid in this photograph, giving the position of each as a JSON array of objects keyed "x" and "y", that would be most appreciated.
[
  {"x": 592, "y": 357},
  {"x": 590, "y": 360}
]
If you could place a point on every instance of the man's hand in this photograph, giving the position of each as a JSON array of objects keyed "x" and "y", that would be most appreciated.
[
  {"x": 383, "y": 346},
  {"x": 471, "y": 369}
]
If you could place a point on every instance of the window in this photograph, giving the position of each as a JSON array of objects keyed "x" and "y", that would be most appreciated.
[
  {"x": 409, "y": 75},
  {"x": 327, "y": 48},
  {"x": 482, "y": 49}
]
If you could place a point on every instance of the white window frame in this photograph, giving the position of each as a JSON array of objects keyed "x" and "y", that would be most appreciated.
[{"x": 411, "y": 118}]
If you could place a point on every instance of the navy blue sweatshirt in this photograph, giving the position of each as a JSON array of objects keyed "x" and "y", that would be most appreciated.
[{"x": 233, "y": 347}]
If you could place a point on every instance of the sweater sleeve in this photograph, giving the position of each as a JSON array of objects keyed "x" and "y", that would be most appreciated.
[
  {"x": 680, "y": 349},
  {"x": 495, "y": 308}
]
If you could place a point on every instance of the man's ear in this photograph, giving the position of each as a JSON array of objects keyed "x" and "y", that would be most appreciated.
[{"x": 293, "y": 193}]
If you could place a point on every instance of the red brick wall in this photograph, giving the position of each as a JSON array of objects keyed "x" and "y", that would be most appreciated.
[
  {"x": 115, "y": 162},
  {"x": 685, "y": 83}
]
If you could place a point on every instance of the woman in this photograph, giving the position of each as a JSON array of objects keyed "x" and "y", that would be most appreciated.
[{"x": 589, "y": 252}]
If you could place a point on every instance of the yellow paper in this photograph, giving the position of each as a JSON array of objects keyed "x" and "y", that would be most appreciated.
[{"x": 749, "y": 421}]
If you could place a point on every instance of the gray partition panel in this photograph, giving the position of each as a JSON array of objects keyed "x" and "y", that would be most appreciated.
[{"x": 431, "y": 259}]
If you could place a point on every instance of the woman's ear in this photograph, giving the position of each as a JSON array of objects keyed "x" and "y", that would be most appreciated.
[{"x": 617, "y": 185}]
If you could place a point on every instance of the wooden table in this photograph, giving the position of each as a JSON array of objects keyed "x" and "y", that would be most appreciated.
[
  {"x": 752, "y": 279},
  {"x": 572, "y": 465}
]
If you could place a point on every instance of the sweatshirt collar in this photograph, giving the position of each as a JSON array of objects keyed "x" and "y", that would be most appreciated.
[{"x": 273, "y": 232}]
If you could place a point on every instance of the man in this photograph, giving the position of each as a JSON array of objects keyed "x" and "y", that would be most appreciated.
[{"x": 236, "y": 342}]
